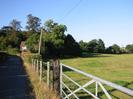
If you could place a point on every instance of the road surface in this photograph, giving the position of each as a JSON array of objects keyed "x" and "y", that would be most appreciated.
[{"x": 14, "y": 83}]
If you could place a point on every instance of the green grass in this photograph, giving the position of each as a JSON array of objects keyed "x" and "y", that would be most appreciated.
[{"x": 114, "y": 68}]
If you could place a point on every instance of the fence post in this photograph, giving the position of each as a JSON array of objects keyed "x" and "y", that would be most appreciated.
[
  {"x": 37, "y": 65},
  {"x": 61, "y": 70},
  {"x": 40, "y": 71},
  {"x": 34, "y": 64},
  {"x": 96, "y": 90},
  {"x": 48, "y": 73},
  {"x": 56, "y": 75}
]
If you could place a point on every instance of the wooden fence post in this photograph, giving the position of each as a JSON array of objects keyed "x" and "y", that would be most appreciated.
[
  {"x": 48, "y": 73},
  {"x": 34, "y": 64},
  {"x": 61, "y": 70},
  {"x": 37, "y": 65},
  {"x": 40, "y": 71},
  {"x": 56, "y": 75}
]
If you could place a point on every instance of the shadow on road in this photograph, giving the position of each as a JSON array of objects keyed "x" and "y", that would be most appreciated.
[{"x": 14, "y": 81}]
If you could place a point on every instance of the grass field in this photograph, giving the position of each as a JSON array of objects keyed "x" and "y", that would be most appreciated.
[{"x": 114, "y": 68}]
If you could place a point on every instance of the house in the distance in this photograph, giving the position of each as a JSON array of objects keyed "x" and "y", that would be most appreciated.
[
  {"x": 7, "y": 28},
  {"x": 23, "y": 47}
]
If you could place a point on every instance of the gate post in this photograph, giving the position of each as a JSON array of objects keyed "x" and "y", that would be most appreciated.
[
  {"x": 48, "y": 74},
  {"x": 32, "y": 63},
  {"x": 40, "y": 70},
  {"x": 56, "y": 75},
  {"x": 37, "y": 66},
  {"x": 61, "y": 70}
]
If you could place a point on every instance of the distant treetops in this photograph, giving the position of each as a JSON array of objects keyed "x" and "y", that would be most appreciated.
[{"x": 98, "y": 46}]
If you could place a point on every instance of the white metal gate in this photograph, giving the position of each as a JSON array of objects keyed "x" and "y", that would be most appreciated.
[{"x": 98, "y": 83}]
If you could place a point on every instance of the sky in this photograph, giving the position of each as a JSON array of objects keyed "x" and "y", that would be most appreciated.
[{"x": 109, "y": 20}]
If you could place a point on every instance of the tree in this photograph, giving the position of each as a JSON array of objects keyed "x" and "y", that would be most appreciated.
[
  {"x": 14, "y": 39},
  {"x": 129, "y": 48},
  {"x": 49, "y": 25},
  {"x": 32, "y": 42},
  {"x": 15, "y": 25},
  {"x": 93, "y": 46},
  {"x": 101, "y": 46},
  {"x": 123, "y": 50},
  {"x": 33, "y": 23},
  {"x": 11, "y": 40},
  {"x": 83, "y": 45},
  {"x": 54, "y": 38},
  {"x": 109, "y": 50},
  {"x": 114, "y": 49},
  {"x": 57, "y": 36},
  {"x": 71, "y": 47},
  {"x": 2, "y": 43}
]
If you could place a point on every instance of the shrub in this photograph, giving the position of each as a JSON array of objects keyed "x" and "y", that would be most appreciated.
[
  {"x": 12, "y": 51},
  {"x": 29, "y": 56}
]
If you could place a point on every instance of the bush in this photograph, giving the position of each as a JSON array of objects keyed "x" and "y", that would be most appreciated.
[
  {"x": 129, "y": 48},
  {"x": 12, "y": 51},
  {"x": 29, "y": 56}
]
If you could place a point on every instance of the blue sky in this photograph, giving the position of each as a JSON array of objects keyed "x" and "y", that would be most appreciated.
[{"x": 110, "y": 20}]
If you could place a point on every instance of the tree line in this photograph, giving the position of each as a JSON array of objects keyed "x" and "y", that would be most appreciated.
[
  {"x": 55, "y": 43},
  {"x": 98, "y": 46}
]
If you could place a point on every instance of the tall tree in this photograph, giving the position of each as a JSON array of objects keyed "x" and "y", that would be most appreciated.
[
  {"x": 101, "y": 46},
  {"x": 93, "y": 46},
  {"x": 49, "y": 25},
  {"x": 32, "y": 42},
  {"x": 71, "y": 47},
  {"x": 16, "y": 25},
  {"x": 83, "y": 45},
  {"x": 129, "y": 48},
  {"x": 114, "y": 49},
  {"x": 54, "y": 37},
  {"x": 33, "y": 23}
]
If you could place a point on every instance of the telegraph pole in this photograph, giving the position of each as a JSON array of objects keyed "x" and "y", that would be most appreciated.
[{"x": 40, "y": 42}]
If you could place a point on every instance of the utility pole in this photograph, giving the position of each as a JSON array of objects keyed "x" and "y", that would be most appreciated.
[{"x": 40, "y": 42}]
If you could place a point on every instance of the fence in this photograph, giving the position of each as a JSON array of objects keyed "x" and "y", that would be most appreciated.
[{"x": 58, "y": 73}]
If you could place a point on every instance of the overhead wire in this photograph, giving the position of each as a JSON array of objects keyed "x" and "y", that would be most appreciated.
[{"x": 70, "y": 11}]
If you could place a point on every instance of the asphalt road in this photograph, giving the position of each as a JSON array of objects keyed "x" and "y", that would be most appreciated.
[{"x": 14, "y": 83}]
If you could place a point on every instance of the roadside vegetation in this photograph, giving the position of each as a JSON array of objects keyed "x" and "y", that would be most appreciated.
[{"x": 41, "y": 90}]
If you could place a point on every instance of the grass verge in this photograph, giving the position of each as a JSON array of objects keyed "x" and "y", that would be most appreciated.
[{"x": 41, "y": 90}]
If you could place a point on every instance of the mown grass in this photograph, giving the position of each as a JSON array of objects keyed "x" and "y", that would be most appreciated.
[{"x": 114, "y": 68}]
